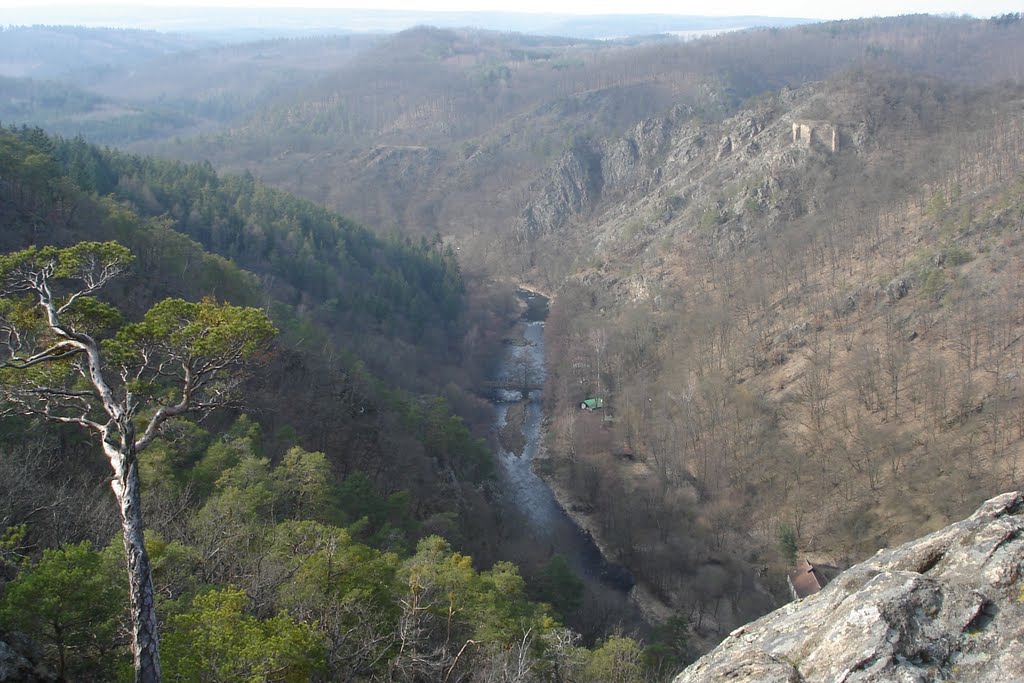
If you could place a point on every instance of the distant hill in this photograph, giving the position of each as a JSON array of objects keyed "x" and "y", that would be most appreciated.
[
  {"x": 242, "y": 25},
  {"x": 120, "y": 86},
  {"x": 48, "y": 51},
  {"x": 437, "y": 130}
]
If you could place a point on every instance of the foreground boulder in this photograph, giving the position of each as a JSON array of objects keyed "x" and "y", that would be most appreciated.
[{"x": 949, "y": 606}]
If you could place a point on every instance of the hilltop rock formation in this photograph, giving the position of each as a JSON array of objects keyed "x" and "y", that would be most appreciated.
[{"x": 949, "y": 606}]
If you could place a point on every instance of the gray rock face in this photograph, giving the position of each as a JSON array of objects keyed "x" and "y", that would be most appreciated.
[
  {"x": 20, "y": 661},
  {"x": 898, "y": 288},
  {"x": 946, "y": 607},
  {"x": 590, "y": 170},
  {"x": 573, "y": 185}
]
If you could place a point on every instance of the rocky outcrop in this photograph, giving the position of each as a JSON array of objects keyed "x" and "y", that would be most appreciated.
[
  {"x": 947, "y": 607},
  {"x": 591, "y": 170},
  {"x": 898, "y": 288},
  {"x": 573, "y": 184},
  {"x": 595, "y": 175},
  {"x": 402, "y": 166},
  {"x": 20, "y": 661}
]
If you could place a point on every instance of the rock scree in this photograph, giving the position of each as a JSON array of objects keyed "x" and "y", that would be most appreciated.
[{"x": 946, "y": 607}]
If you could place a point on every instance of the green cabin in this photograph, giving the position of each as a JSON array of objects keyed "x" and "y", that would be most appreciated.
[{"x": 592, "y": 404}]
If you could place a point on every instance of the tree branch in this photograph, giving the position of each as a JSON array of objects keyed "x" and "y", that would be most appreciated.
[
  {"x": 53, "y": 353},
  {"x": 81, "y": 420},
  {"x": 167, "y": 412}
]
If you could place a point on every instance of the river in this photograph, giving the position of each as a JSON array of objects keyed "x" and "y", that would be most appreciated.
[{"x": 544, "y": 521}]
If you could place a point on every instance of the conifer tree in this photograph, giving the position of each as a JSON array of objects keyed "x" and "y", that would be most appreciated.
[{"x": 182, "y": 358}]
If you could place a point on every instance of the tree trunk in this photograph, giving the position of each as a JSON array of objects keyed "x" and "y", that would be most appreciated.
[{"x": 145, "y": 638}]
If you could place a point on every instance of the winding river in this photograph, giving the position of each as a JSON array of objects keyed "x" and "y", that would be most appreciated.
[{"x": 520, "y": 373}]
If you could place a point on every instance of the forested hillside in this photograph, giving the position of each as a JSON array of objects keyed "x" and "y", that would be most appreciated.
[
  {"x": 301, "y": 527},
  {"x": 122, "y": 86},
  {"x": 356, "y": 293},
  {"x": 389, "y": 290},
  {"x": 50, "y": 51},
  {"x": 797, "y": 343},
  {"x": 451, "y": 131}
]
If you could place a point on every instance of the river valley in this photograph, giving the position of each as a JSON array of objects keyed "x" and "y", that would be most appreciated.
[{"x": 543, "y": 523}]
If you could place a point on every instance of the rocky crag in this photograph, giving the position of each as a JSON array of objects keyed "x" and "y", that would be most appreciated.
[
  {"x": 949, "y": 606},
  {"x": 21, "y": 661}
]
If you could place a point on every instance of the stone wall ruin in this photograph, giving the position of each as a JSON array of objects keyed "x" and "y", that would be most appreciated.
[{"x": 816, "y": 134}]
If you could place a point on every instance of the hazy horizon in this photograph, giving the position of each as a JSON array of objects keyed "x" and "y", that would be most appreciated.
[{"x": 600, "y": 19}]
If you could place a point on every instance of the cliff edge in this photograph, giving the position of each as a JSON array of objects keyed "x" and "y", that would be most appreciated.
[{"x": 948, "y": 606}]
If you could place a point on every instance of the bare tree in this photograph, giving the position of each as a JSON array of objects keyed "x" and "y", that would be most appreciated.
[{"x": 895, "y": 357}]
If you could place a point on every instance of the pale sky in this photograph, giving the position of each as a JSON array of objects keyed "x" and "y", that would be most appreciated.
[{"x": 837, "y": 9}]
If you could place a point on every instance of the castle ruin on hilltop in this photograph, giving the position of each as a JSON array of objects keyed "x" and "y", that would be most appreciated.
[{"x": 811, "y": 133}]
